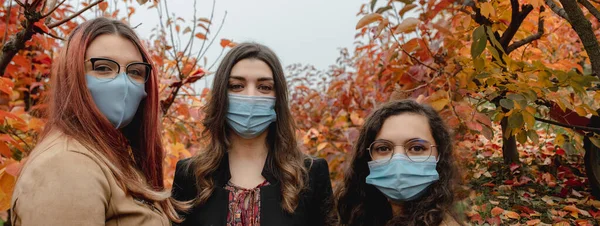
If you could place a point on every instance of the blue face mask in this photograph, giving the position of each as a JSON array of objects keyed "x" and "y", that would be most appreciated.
[
  {"x": 401, "y": 179},
  {"x": 118, "y": 99},
  {"x": 250, "y": 116}
]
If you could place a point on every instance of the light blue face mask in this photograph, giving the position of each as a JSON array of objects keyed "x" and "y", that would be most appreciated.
[
  {"x": 118, "y": 99},
  {"x": 402, "y": 179},
  {"x": 250, "y": 116}
]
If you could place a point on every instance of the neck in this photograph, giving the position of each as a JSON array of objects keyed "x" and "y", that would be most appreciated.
[
  {"x": 255, "y": 148},
  {"x": 396, "y": 208}
]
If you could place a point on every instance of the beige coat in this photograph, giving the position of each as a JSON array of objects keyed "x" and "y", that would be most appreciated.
[{"x": 63, "y": 183}]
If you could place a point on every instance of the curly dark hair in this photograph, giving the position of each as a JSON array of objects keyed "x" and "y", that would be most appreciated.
[{"x": 359, "y": 203}]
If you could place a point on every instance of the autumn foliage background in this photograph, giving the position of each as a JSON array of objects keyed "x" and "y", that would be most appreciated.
[{"x": 503, "y": 73}]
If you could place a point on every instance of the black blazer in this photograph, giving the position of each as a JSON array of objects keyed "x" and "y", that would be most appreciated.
[{"x": 314, "y": 207}]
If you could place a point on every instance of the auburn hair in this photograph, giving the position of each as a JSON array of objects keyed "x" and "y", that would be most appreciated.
[{"x": 73, "y": 112}]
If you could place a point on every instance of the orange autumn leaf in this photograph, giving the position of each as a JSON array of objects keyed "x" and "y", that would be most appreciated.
[
  {"x": 512, "y": 215},
  {"x": 368, "y": 19},
  {"x": 497, "y": 211}
]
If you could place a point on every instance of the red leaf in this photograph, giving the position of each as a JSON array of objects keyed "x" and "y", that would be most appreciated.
[
  {"x": 40, "y": 24},
  {"x": 226, "y": 42},
  {"x": 514, "y": 166},
  {"x": 5, "y": 150},
  {"x": 103, "y": 6},
  {"x": 201, "y": 36},
  {"x": 560, "y": 151},
  {"x": 488, "y": 184},
  {"x": 494, "y": 220}
]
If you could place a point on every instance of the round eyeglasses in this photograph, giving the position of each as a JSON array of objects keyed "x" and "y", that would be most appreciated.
[
  {"x": 106, "y": 68},
  {"x": 417, "y": 150}
]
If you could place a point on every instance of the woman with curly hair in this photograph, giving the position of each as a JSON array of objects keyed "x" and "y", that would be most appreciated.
[
  {"x": 252, "y": 172},
  {"x": 402, "y": 170}
]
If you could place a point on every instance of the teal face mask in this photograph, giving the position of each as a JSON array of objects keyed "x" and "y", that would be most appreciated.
[
  {"x": 401, "y": 179},
  {"x": 250, "y": 116},
  {"x": 117, "y": 98}
]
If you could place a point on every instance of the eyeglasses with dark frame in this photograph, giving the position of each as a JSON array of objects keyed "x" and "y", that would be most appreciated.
[
  {"x": 106, "y": 68},
  {"x": 415, "y": 148}
]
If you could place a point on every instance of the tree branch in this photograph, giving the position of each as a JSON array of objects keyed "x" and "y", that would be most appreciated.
[
  {"x": 595, "y": 12},
  {"x": 53, "y": 9},
  {"x": 74, "y": 15},
  {"x": 583, "y": 28},
  {"x": 21, "y": 4},
  {"x": 531, "y": 38},
  {"x": 574, "y": 127},
  {"x": 556, "y": 9},
  {"x": 517, "y": 18}
]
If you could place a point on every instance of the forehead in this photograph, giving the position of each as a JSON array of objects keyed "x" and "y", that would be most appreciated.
[
  {"x": 406, "y": 126},
  {"x": 115, "y": 47},
  {"x": 251, "y": 69}
]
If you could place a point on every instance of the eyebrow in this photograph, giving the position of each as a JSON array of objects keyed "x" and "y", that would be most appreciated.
[{"x": 262, "y": 79}]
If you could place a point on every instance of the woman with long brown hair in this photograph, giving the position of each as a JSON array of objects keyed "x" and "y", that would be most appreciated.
[
  {"x": 252, "y": 172},
  {"x": 99, "y": 161},
  {"x": 401, "y": 171}
]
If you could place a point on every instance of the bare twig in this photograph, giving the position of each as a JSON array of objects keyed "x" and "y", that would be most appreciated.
[
  {"x": 74, "y": 15},
  {"x": 21, "y": 4},
  {"x": 217, "y": 59},
  {"x": 595, "y": 12},
  {"x": 207, "y": 28},
  {"x": 213, "y": 39},
  {"x": 407, "y": 53},
  {"x": 530, "y": 38},
  {"x": 53, "y": 9},
  {"x": 7, "y": 21}
]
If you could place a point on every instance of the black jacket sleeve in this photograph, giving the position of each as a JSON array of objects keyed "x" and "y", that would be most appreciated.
[
  {"x": 322, "y": 208},
  {"x": 184, "y": 184}
]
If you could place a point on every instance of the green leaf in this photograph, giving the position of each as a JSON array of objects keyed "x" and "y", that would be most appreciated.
[
  {"x": 515, "y": 120},
  {"x": 508, "y": 104},
  {"x": 482, "y": 75},
  {"x": 562, "y": 76},
  {"x": 496, "y": 56},
  {"x": 479, "y": 42},
  {"x": 515, "y": 97},
  {"x": 373, "y": 2},
  {"x": 383, "y": 9},
  {"x": 480, "y": 65},
  {"x": 533, "y": 136},
  {"x": 493, "y": 39},
  {"x": 522, "y": 137}
]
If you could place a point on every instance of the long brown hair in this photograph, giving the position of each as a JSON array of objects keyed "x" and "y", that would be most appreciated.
[
  {"x": 71, "y": 110},
  {"x": 287, "y": 160},
  {"x": 359, "y": 203}
]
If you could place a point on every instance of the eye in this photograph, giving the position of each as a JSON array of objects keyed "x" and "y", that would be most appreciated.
[
  {"x": 134, "y": 72},
  {"x": 417, "y": 148},
  {"x": 103, "y": 68},
  {"x": 236, "y": 87},
  {"x": 265, "y": 87}
]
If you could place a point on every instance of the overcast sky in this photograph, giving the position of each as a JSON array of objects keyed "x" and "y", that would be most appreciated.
[{"x": 307, "y": 31}]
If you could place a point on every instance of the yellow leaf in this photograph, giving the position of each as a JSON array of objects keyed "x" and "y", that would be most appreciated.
[
  {"x": 7, "y": 184},
  {"x": 497, "y": 211},
  {"x": 408, "y": 25},
  {"x": 407, "y": 8},
  {"x": 368, "y": 19},
  {"x": 356, "y": 120},
  {"x": 321, "y": 146},
  {"x": 487, "y": 9},
  {"x": 439, "y": 104},
  {"x": 580, "y": 111},
  {"x": 511, "y": 214}
]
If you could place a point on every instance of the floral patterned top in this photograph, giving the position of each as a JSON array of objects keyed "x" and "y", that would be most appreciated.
[{"x": 244, "y": 205}]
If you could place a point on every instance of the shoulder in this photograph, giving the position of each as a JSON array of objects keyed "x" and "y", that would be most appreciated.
[
  {"x": 184, "y": 181},
  {"x": 316, "y": 165}
]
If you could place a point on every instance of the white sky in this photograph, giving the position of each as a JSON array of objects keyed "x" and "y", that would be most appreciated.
[{"x": 308, "y": 31}]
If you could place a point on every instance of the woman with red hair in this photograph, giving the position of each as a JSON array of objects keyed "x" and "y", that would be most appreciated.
[{"x": 99, "y": 161}]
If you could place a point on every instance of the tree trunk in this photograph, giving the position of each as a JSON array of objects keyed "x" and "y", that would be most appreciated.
[
  {"x": 509, "y": 145},
  {"x": 583, "y": 28}
]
